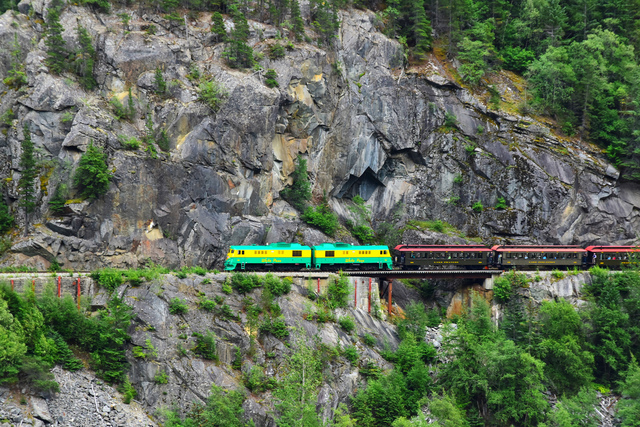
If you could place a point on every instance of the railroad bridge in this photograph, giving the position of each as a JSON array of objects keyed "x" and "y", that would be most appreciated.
[{"x": 367, "y": 287}]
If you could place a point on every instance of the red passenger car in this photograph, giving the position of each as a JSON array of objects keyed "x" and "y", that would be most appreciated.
[{"x": 613, "y": 256}]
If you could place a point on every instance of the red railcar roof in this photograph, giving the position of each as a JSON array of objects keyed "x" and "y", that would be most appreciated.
[
  {"x": 442, "y": 248},
  {"x": 613, "y": 248},
  {"x": 546, "y": 248}
]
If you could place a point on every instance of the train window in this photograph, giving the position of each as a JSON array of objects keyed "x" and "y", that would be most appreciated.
[
  {"x": 329, "y": 253},
  {"x": 508, "y": 254},
  {"x": 297, "y": 253}
]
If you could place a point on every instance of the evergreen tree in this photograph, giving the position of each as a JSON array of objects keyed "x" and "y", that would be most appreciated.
[
  {"x": 56, "y": 46},
  {"x": 296, "y": 20},
  {"x": 29, "y": 172},
  {"x": 238, "y": 53},
  {"x": 299, "y": 193},
  {"x": 92, "y": 176},
  {"x": 58, "y": 200},
  {"x": 420, "y": 28},
  {"x": 161, "y": 84},
  {"x": 6, "y": 219},
  {"x": 85, "y": 59},
  {"x": 16, "y": 75},
  {"x": 217, "y": 27}
]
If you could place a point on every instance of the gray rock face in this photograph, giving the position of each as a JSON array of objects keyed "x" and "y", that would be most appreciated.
[{"x": 365, "y": 125}]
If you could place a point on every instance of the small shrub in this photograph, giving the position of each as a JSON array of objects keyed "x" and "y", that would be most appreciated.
[
  {"x": 276, "y": 327},
  {"x": 502, "y": 289},
  {"x": 226, "y": 289},
  {"x": 270, "y": 78},
  {"x": 205, "y": 282},
  {"x": 178, "y": 306},
  {"x": 135, "y": 277},
  {"x": 226, "y": 312},
  {"x": 338, "y": 292},
  {"x": 245, "y": 283},
  {"x": 129, "y": 393},
  {"x": 181, "y": 274},
  {"x": 206, "y": 346},
  {"x": 212, "y": 94},
  {"x": 108, "y": 278},
  {"x": 163, "y": 141},
  {"x": 277, "y": 286},
  {"x": 477, "y": 206},
  {"x": 501, "y": 203},
  {"x": 347, "y": 323},
  {"x": 480, "y": 130},
  {"x": 207, "y": 305},
  {"x": 470, "y": 149},
  {"x": 161, "y": 378},
  {"x": 351, "y": 354},
  {"x": 237, "y": 361},
  {"x": 458, "y": 179},
  {"x": 437, "y": 226},
  {"x": 557, "y": 274},
  {"x": 160, "y": 83},
  {"x": 450, "y": 120},
  {"x": 325, "y": 315},
  {"x": 369, "y": 340},
  {"x": 321, "y": 217},
  {"x": 92, "y": 175},
  {"x": 255, "y": 379},
  {"x": 138, "y": 352},
  {"x": 276, "y": 51}
]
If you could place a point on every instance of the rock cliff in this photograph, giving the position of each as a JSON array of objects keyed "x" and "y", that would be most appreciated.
[{"x": 412, "y": 141}]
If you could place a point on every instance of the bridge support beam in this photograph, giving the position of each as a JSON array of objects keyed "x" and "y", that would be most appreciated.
[{"x": 488, "y": 283}]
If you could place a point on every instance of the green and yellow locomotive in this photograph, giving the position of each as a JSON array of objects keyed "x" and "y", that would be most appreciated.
[{"x": 293, "y": 256}]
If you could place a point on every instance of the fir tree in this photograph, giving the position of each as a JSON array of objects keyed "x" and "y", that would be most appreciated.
[
  {"x": 161, "y": 84},
  {"x": 56, "y": 46},
  {"x": 420, "y": 28},
  {"x": 238, "y": 53},
  {"x": 6, "y": 219},
  {"x": 58, "y": 200},
  {"x": 26, "y": 184},
  {"x": 92, "y": 176},
  {"x": 217, "y": 27},
  {"x": 85, "y": 59},
  {"x": 296, "y": 20},
  {"x": 16, "y": 75}
]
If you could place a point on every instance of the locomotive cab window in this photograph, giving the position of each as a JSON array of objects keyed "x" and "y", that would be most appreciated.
[
  {"x": 297, "y": 253},
  {"x": 329, "y": 253}
]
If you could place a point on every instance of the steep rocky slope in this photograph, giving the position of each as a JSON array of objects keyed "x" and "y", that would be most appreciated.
[{"x": 366, "y": 125}]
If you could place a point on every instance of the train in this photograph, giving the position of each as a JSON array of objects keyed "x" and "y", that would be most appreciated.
[{"x": 344, "y": 256}]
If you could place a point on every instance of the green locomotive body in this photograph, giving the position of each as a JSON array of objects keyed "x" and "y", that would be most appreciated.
[
  {"x": 344, "y": 256},
  {"x": 274, "y": 256}
]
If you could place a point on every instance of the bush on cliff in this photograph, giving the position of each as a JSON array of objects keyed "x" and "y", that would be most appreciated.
[{"x": 92, "y": 176}]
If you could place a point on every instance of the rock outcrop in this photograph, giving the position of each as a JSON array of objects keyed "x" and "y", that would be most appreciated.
[{"x": 411, "y": 141}]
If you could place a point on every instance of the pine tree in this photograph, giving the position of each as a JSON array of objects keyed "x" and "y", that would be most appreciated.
[
  {"x": 26, "y": 184},
  {"x": 161, "y": 84},
  {"x": 16, "y": 75},
  {"x": 420, "y": 28},
  {"x": 58, "y": 200},
  {"x": 85, "y": 59},
  {"x": 238, "y": 53},
  {"x": 296, "y": 20},
  {"x": 92, "y": 176},
  {"x": 56, "y": 46},
  {"x": 218, "y": 27},
  {"x": 6, "y": 219}
]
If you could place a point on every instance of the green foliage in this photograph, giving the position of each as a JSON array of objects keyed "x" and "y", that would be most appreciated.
[
  {"x": 577, "y": 410},
  {"x": 629, "y": 406},
  {"x": 415, "y": 321},
  {"x": 338, "y": 291},
  {"x": 108, "y": 278},
  {"x": 85, "y": 59},
  {"x": 226, "y": 289},
  {"x": 160, "y": 83},
  {"x": 296, "y": 395},
  {"x": 56, "y": 46},
  {"x": 222, "y": 409},
  {"x": 351, "y": 354},
  {"x": 276, "y": 51},
  {"x": 276, "y": 285},
  {"x": 477, "y": 206},
  {"x": 212, "y": 93},
  {"x": 459, "y": 179},
  {"x": 92, "y": 176},
  {"x": 321, "y": 217},
  {"x": 276, "y": 327},
  {"x": 502, "y": 289},
  {"x": 237, "y": 52},
  {"x": 237, "y": 360},
  {"x": 501, "y": 203},
  {"x": 270, "y": 78},
  {"x": 450, "y": 120},
  {"x": 178, "y": 306},
  {"x": 161, "y": 377},
  {"x": 217, "y": 26},
  {"x": 244, "y": 283},
  {"x": 130, "y": 143},
  {"x": 16, "y": 76},
  {"x": 128, "y": 391},
  {"x": 369, "y": 340},
  {"x": 299, "y": 193},
  {"x": 57, "y": 202},
  {"x": 206, "y": 345},
  {"x": 347, "y": 323},
  {"x": 296, "y": 19},
  {"x": 557, "y": 274},
  {"x": 256, "y": 381}
]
